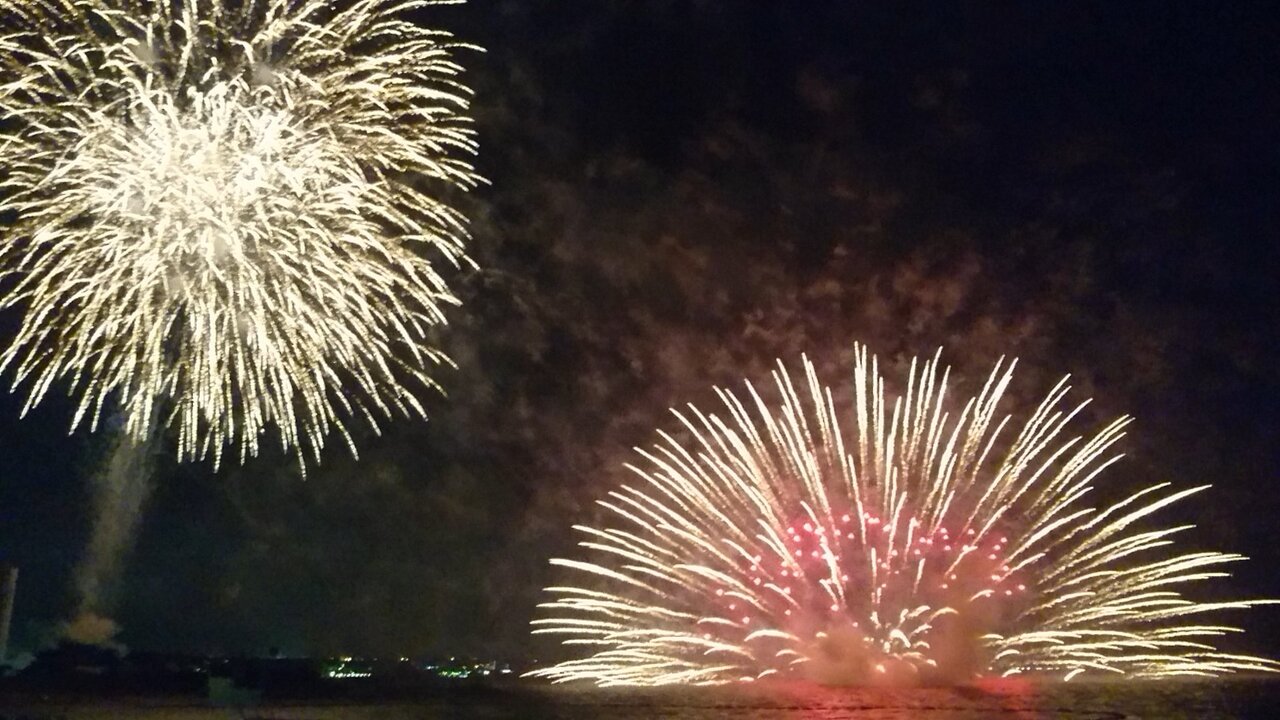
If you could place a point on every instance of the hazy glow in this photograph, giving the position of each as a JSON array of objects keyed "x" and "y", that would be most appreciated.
[
  {"x": 220, "y": 209},
  {"x": 925, "y": 545}
]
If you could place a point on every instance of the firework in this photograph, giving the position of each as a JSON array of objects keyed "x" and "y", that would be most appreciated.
[
  {"x": 925, "y": 546},
  {"x": 219, "y": 210}
]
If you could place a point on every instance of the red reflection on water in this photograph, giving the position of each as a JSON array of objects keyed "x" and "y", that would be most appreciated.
[
  {"x": 988, "y": 698},
  {"x": 1017, "y": 696}
]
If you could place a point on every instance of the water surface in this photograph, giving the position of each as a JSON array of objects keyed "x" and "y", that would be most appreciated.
[{"x": 1237, "y": 699}]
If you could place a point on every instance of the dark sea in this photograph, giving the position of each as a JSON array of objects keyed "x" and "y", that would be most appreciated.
[{"x": 1171, "y": 700}]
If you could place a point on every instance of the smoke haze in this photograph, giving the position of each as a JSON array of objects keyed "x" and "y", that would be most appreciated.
[
  {"x": 120, "y": 488},
  {"x": 683, "y": 192}
]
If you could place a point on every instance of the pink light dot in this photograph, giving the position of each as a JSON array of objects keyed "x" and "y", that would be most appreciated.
[
  {"x": 745, "y": 620},
  {"x": 946, "y": 548},
  {"x": 1022, "y": 587},
  {"x": 756, "y": 581},
  {"x": 791, "y": 531},
  {"x": 834, "y": 607},
  {"x": 808, "y": 527},
  {"x": 971, "y": 532},
  {"x": 1003, "y": 540},
  {"x": 799, "y": 554},
  {"x": 995, "y": 577},
  {"x": 849, "y": 535},
  {"x": 845, "y": 578},
  {"x": 992, "y": 556},
  {"x": 944, "y": 586},
  {"x": 719, "y": 592},
  {"x": 733, "y": 606},
  {"x": 814, "y": 553},
  {"x": 1008, "y": 592},
  {"x": 845, "y": 518},
  {"x": 951, "y": 576},
  {"x": 786, "y": 590},
  {"x": 786, "y": 612},
  {"x": 786, "y": 573}
]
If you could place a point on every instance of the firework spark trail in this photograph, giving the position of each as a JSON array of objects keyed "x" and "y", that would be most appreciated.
[
  {"x": 925, "y": 546},
  {"x": 220, "y": 209}
]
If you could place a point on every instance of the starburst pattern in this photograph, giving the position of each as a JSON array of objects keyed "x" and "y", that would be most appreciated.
[
  {"x": 219, "y": 209},
  {"x": 926, "y": 545}
]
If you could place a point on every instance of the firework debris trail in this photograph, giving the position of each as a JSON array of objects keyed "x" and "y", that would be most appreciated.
[
  {"x": 223, "y": 208},
  {"x": 929, "y": 545}
]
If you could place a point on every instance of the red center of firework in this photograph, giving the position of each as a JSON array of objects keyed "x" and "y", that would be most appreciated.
[{"x": 851, "y": 564}]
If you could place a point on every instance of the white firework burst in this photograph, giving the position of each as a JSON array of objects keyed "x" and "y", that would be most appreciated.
[
  {"x": 219, "y": 210},
  {"x": 925, "y": 546}
]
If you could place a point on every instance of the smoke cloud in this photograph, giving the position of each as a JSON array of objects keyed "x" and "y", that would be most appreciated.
[
  {"x": 90, "y": 628},
  {"x": 121, "y": 486}
]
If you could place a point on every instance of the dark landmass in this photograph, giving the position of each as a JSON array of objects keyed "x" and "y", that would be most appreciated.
[{"x": 76, "y": 673}]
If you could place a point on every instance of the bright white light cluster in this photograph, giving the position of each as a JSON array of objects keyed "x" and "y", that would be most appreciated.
[
  {"x": 924, "y": 546},
  {"x": 214, "y": 213}
]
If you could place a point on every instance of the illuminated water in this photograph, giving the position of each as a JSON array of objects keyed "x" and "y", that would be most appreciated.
[{"x": 1241, "y": 700}]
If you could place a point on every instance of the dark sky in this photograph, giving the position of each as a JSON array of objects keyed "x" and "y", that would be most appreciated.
[{"x": 683, "y": 191}]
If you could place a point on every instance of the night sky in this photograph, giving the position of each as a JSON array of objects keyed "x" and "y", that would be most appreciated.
[{"x": 683, "y": 191}]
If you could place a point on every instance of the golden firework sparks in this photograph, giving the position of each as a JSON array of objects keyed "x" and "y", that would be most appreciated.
[
  {"x": 221, "y": 210},
  {"x": 925, "y": 545}
]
